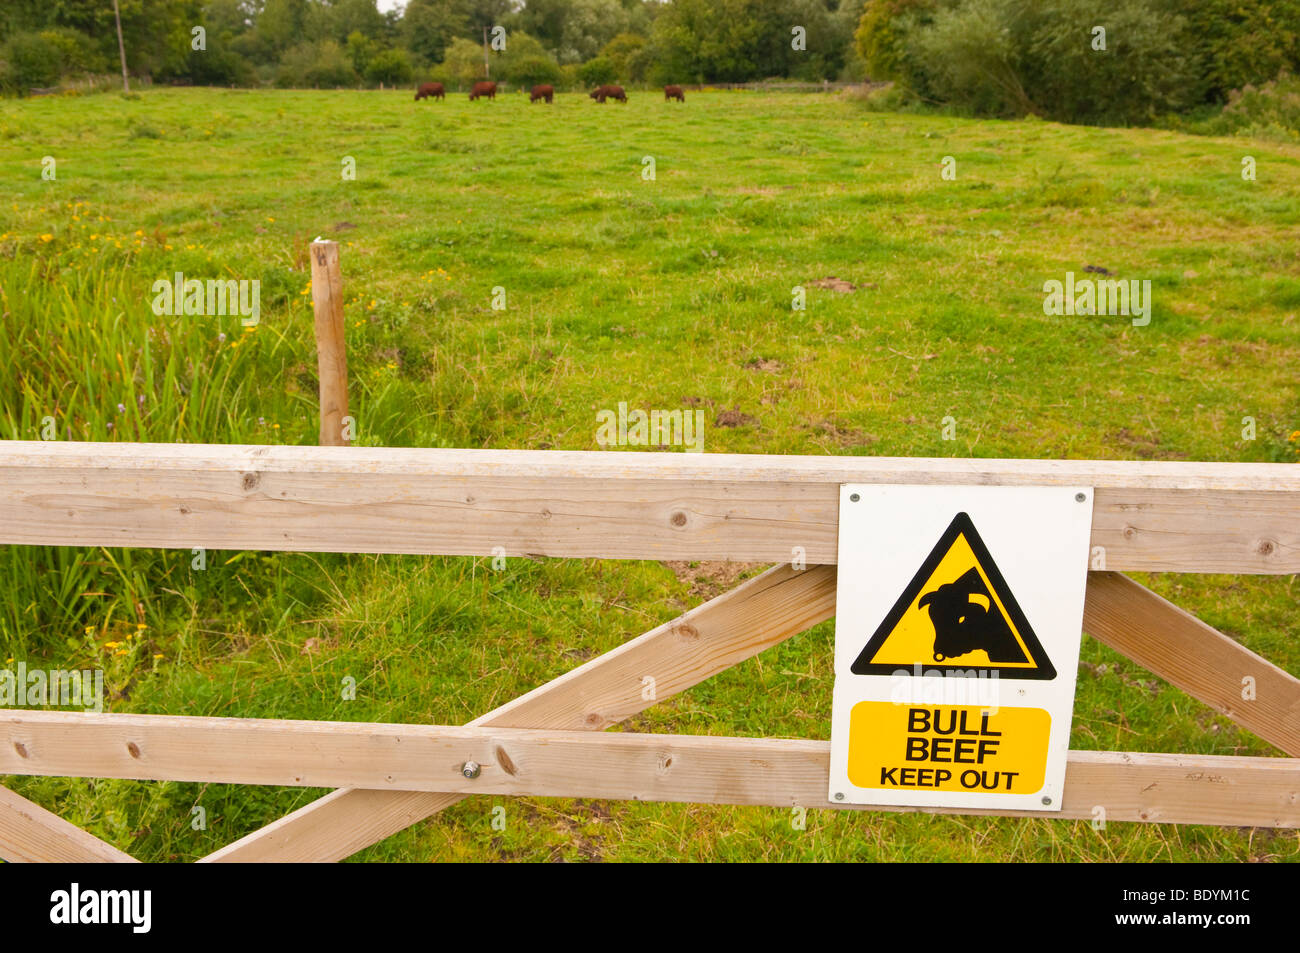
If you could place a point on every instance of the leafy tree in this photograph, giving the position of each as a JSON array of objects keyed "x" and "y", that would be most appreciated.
[
  {"x": 543, "y": 19},
  {"x": 27, "y": 61},
  {"x": 77, "y": 52},
  {"x": 597, "y": 72},
  {"x": 739, "y": 40},
  {"x": 346, "y": 17},
  {"x": 1150, "y": 66},
  {"x": 879, "y": 38},
  {"x": 519, "y": 46},
  {"x": 588, "y": 26},
  {"x": 321, "y": 64},
  {"x": 1241, "y": 41},
  {"x": 281, "y": 23},
  {"x": 361, "y": 49},
  {"x": 524, "y": 61},
  {"x": 391, "y": 67},
  {"x": 623, "y": 51},
  {"x": 463, "y": 62},
  {"x": 429, "y": 25},
  {"x": 1015, "y": 57},
  {"x": 533, "y": 71}
]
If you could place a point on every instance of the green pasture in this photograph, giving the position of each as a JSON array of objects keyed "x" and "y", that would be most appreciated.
[{"x": 670, "y": 292}]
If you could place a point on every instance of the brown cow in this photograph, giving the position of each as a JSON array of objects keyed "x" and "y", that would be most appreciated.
[
  {"x": 674, "y": 92},
  {"x": 601, "y": 93},
  {"x": 427, "y": 90},
  {"x": 483, "y": 89},
  {"x": 542, "y": 92}
]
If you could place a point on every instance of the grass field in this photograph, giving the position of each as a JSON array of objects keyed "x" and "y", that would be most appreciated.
[{"x": 666, "y": 293}]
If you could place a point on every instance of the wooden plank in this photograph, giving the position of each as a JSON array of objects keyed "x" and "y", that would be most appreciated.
[
  {"x": 31, "y": 834},
  {"x": 700, "y": 769},
  {"x": 1195, "y": 657},
  {"x": 1193, "y": 517},
  {"x": 331, "y": 351},
  {"x": 736, "y": 625}
]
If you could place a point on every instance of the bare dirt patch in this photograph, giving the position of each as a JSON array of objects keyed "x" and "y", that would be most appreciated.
[
  {"x": 734, "y": 418},
  {"x": 834, "y": 284},
  {"x": 710, "y": 578}
]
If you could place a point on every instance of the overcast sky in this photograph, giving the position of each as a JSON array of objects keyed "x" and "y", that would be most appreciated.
[{"x": 386, "y": 5}]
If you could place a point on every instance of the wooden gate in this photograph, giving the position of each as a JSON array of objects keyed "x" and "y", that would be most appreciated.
[{"x": 1151, "y": 517}]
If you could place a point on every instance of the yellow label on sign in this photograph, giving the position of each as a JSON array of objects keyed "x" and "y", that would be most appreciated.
[{"x": 948, "y": 747}]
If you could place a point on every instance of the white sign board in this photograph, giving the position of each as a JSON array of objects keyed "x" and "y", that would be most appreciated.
[{"x": 958, "y": 619}]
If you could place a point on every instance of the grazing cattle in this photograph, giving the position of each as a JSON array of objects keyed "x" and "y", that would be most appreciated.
[
  {"x": 433, "y": 90},
  {"x": 483, "y": 89},
  {"x": 601, "y": 93},
  {"x": 674, "y": 92},
  {"x": 542, "y": 92},
  {"x": 965, "y": 619}
]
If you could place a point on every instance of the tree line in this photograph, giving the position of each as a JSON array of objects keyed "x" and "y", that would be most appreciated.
[
  {"x": 327, "y": 43},
  {"x": 1099, "y": 61}
]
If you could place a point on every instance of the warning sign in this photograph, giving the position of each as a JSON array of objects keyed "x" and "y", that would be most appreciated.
[
  {"x": 962, "y": 748},
  {"x": 957, "y": 610},
  {"x": 956, "y": 644}
]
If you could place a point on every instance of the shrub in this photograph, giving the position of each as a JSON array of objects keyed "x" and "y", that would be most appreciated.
[
  {"x": 77, "y": 54},
  {"x": 1269, "y": 111},
  {"x": 597, "y": 72},
  {"x": 391, "y": 67},
  {"x": 361, "y": 50},
  {"x": 570, "y": 74},
  {"x": 320, "y": 64},
  {"x": 978, "y": 54},
  {"x": 463, "y": 62},
  {"x": 218, "y": 65},
  {"x": 27, "y": 61},
  {"x": 1036, "y": 57},
  {"x": 438, "y": 74},
  {"x": 625, "y": 51},
  {"x": 1150, "y": 65},
  {"x": 533, "y": 71},
  {"x": 1242, "y": 41}
]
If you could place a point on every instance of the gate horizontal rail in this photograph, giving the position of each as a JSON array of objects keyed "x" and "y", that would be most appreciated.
[
  {"x": 1148, "y": 516},
  {"x": 704, "y": 769}
]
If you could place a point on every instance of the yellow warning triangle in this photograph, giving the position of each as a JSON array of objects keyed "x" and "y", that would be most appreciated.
[{"x": 956, "y": 615}]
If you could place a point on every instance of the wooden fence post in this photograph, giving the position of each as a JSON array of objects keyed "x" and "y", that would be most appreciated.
[{"x": 331, "y": 352}]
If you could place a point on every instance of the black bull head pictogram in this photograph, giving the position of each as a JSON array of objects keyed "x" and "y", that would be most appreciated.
[{"x": 965, "y": 620}]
